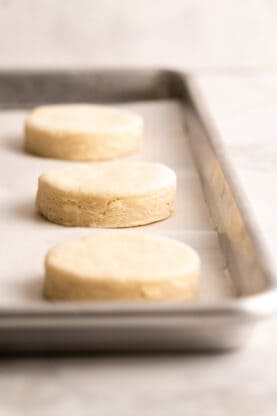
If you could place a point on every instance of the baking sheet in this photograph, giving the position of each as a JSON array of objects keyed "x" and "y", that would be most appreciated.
[{"x": 26, "y": 236}]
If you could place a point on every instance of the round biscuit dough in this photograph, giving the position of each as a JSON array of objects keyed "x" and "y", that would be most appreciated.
[
  {"x": 82, "y": 132},
  {"x": 107, "y": 194},
  {"x": 114, "y": 265}
]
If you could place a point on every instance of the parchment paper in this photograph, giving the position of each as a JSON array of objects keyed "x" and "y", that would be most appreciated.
[{"x": 26, "y": 236}]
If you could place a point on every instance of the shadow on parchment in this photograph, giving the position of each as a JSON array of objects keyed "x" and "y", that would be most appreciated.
[
  {"x": 30, "y": 290},
  {"x": 13, "y": 144},
  {"x": 26, "y": 211}
]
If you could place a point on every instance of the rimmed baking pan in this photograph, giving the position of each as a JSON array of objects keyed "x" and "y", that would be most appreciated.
[{"x": 238, "y": 285}]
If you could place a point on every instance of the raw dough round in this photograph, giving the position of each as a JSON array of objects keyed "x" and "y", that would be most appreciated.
[
  {"x": 107, "y": 194},
  {"x": 82, "y": 132},
  {"x": 115, "y": 265}
]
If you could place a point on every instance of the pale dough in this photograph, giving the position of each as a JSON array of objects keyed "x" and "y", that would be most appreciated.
[
  {"x": 114, "y": 194},
  {"x": 114, "y": 265},
  {"x": 82, "y": 132}
]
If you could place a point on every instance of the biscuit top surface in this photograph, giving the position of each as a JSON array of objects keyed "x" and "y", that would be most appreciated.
[
  {"x": 116, "y": 178},
  {"x": 124, "y": 255},
  {"x": 85, "y": 118}
]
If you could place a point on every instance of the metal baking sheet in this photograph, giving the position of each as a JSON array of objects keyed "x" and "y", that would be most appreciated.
[{"x": 237, "y": 286}]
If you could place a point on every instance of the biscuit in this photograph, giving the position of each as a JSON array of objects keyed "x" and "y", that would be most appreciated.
[
  {"x": 117, "y": 265},
  {"x": 107, "y": 194},
  {"x": 82, "y": 132}
]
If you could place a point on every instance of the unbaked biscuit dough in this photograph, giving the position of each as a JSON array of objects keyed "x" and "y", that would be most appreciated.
[
  {"x": 82, "y": 132},
  {"x": 116, "y": 265},
  {"x": 113, "y": 194}
]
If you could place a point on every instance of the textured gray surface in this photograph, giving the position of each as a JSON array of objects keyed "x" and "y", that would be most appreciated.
[
  {"x": 184, "y": 33},
  {"x": 234, "y": 384}
]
